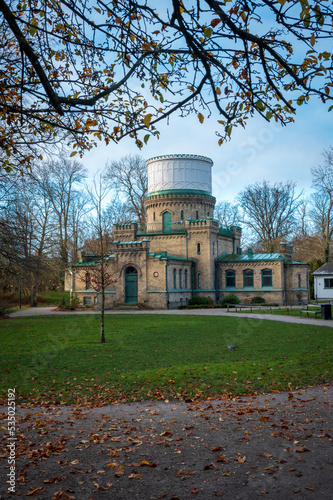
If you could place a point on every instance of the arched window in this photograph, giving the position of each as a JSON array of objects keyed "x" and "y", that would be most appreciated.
[
  {"x": 199, "y": 281},
  {"x": 185, "y": 279},
  {"x": 198, "y": 248},
  {"x": 230, "y": 279},
  {"x": 180, "y": 279},
  {"x": 87, "y": 281},
  {"x": 266, "y": 278},
  {"x": 174, "y": 279},
  {"x": 248, "y": 278}
]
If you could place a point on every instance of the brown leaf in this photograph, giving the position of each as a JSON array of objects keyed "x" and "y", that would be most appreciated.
[
  {"x": 194, "y": 491},
  {"x": 35, "y": 491}
]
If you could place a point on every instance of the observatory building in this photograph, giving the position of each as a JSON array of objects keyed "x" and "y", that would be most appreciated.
[{"x": 182, "y": 252}]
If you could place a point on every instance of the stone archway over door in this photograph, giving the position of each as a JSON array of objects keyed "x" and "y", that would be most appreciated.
[
  {"x": 131, "y": 286},
  {"x": 167, "y": 222}
]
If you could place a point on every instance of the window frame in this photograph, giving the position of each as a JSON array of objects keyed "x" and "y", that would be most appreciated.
[
  {"x": 270, "y": 276},
  {"x": 229, "y": 277},
  {"x": 247, "y": 277},
  {"x": 328, "y": 283}
]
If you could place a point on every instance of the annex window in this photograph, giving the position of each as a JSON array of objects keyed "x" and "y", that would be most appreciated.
[
  {"x": 199, "y": 281},
  {"x": 230, "y": 279},
  {"x": 180, "y": 278},
  {"x": 185, "y": 279},
  {"x": 198, "y": 248},
  {"x": 266, "y": 278},
  {"x": 174, "y": 279},
  {"x": 328, "y": 283},
  {"x": 86, "y": 301},
  {"x": 248, "y": 278}
]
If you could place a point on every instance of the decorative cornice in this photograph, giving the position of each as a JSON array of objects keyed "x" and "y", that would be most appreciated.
[{"x": 181, "y": 156}]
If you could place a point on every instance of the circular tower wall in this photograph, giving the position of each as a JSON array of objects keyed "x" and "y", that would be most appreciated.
[{"x": 180, "y": 185}]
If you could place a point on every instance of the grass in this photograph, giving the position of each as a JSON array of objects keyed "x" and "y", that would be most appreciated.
[
  {"x": 54, "y": 297},
  {"x": 60, "y": 360},
  {"x": 283, "y": 311}
]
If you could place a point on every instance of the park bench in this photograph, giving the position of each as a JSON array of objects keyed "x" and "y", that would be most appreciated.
[{"x": 308, "y": 311}]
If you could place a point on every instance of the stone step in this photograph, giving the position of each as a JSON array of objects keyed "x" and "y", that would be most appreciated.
[{"x": 127, "y": 307}]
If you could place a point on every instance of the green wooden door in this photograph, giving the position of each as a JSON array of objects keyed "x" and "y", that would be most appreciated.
[
  {"x": 167, "y": 222},
  {"x": 131, "y": 286}
]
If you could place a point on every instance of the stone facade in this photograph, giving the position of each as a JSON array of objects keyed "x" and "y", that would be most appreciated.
[{"x": 181, "y": 251}]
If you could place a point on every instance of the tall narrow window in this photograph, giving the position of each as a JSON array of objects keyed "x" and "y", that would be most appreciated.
[
  {"x": 266, "y": 278},
  {"x": 185, "y": 279},
  {"x": 199, "y": 281},
  {"x": 213, "y": 248},
  {"x": 299, "y": 280},
  {"x": 180, "y": 279},
  {"x": 197, "y": 214},
  {"x": 174, "y": 279},
  {"x": 87, "y": 281},
  {"x": 248, "y": 278},
  {"x": 154, "y": 216},
  {"x": 181, "y": 214},
  {"x": 198, "y": 248},
  {"x": 230, "y": 279}
]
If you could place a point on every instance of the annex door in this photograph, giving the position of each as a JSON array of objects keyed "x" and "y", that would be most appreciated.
[
  {"x": 131, "y": 286},
  {"x": 167, "y": 222}
]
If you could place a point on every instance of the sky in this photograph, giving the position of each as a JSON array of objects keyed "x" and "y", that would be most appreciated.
[{"x": 260, "y": 151}]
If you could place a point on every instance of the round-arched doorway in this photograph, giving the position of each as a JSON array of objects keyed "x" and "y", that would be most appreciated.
[{"x": 131, "y": 285}]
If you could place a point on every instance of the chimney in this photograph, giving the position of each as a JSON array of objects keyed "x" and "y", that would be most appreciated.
[
  {"x": 286, "y": 250},
  {"x": 250, "y": 253}
]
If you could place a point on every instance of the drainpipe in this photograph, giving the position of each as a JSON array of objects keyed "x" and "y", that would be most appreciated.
[
  {"x": 186, "y": 243},
  {"x": 166, "y": 283},
  {"x": 192, "y": 272},
  {"x": 216, "y": 281}
]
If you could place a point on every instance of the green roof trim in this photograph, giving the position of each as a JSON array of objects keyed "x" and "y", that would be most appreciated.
[
  {"x": 224, "y": 231},
  {"x": 86, "y": 264},
  {"x": 166, "y": 256}
]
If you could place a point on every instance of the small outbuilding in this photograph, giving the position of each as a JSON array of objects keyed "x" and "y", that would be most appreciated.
[{"x": 323, "y": 283}]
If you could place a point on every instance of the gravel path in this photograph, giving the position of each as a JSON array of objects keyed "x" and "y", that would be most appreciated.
[{"x": 50, "y": 311}]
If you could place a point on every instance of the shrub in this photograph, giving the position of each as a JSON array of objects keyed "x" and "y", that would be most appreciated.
[
  {"x": 4, "y": 309},
  {"x": 258, "y": 300},
  {"x": 230, "y": 299},
  {"x": 198, "y": 301}
]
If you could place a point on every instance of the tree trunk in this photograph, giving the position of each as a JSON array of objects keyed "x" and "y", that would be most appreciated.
[
  {"x": 33, "y": 296},
  {"x": 102, "y": 317}
]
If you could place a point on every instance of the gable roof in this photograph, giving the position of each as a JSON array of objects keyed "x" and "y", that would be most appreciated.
[{"x": 325, "y": 269}]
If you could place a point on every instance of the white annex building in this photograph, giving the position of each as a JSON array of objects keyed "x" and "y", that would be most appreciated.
[{"x": 323, "y": 283}]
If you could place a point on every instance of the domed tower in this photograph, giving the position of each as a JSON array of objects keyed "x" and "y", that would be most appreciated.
[{"x": 179, "y": 188}]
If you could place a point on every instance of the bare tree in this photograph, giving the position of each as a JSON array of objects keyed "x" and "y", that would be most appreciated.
[
  {"x": 322, "y": 201},
  {"x": 61, "y": 180},
  {"x": 129, "y": 176},
  {"x": 269, "y": 210},
  {"x": 83, "y": 72},
  {"x": 101, "y": 237},
  {"x": 227, "y": 213}
]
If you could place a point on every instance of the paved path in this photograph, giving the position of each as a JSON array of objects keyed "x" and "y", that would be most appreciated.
[{"x": 50, "y": 311}]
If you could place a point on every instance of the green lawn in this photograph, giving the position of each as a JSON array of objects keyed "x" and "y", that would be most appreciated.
[
  {"x": 59, "y": 359},
  {"x": 282, "y": 311}
]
